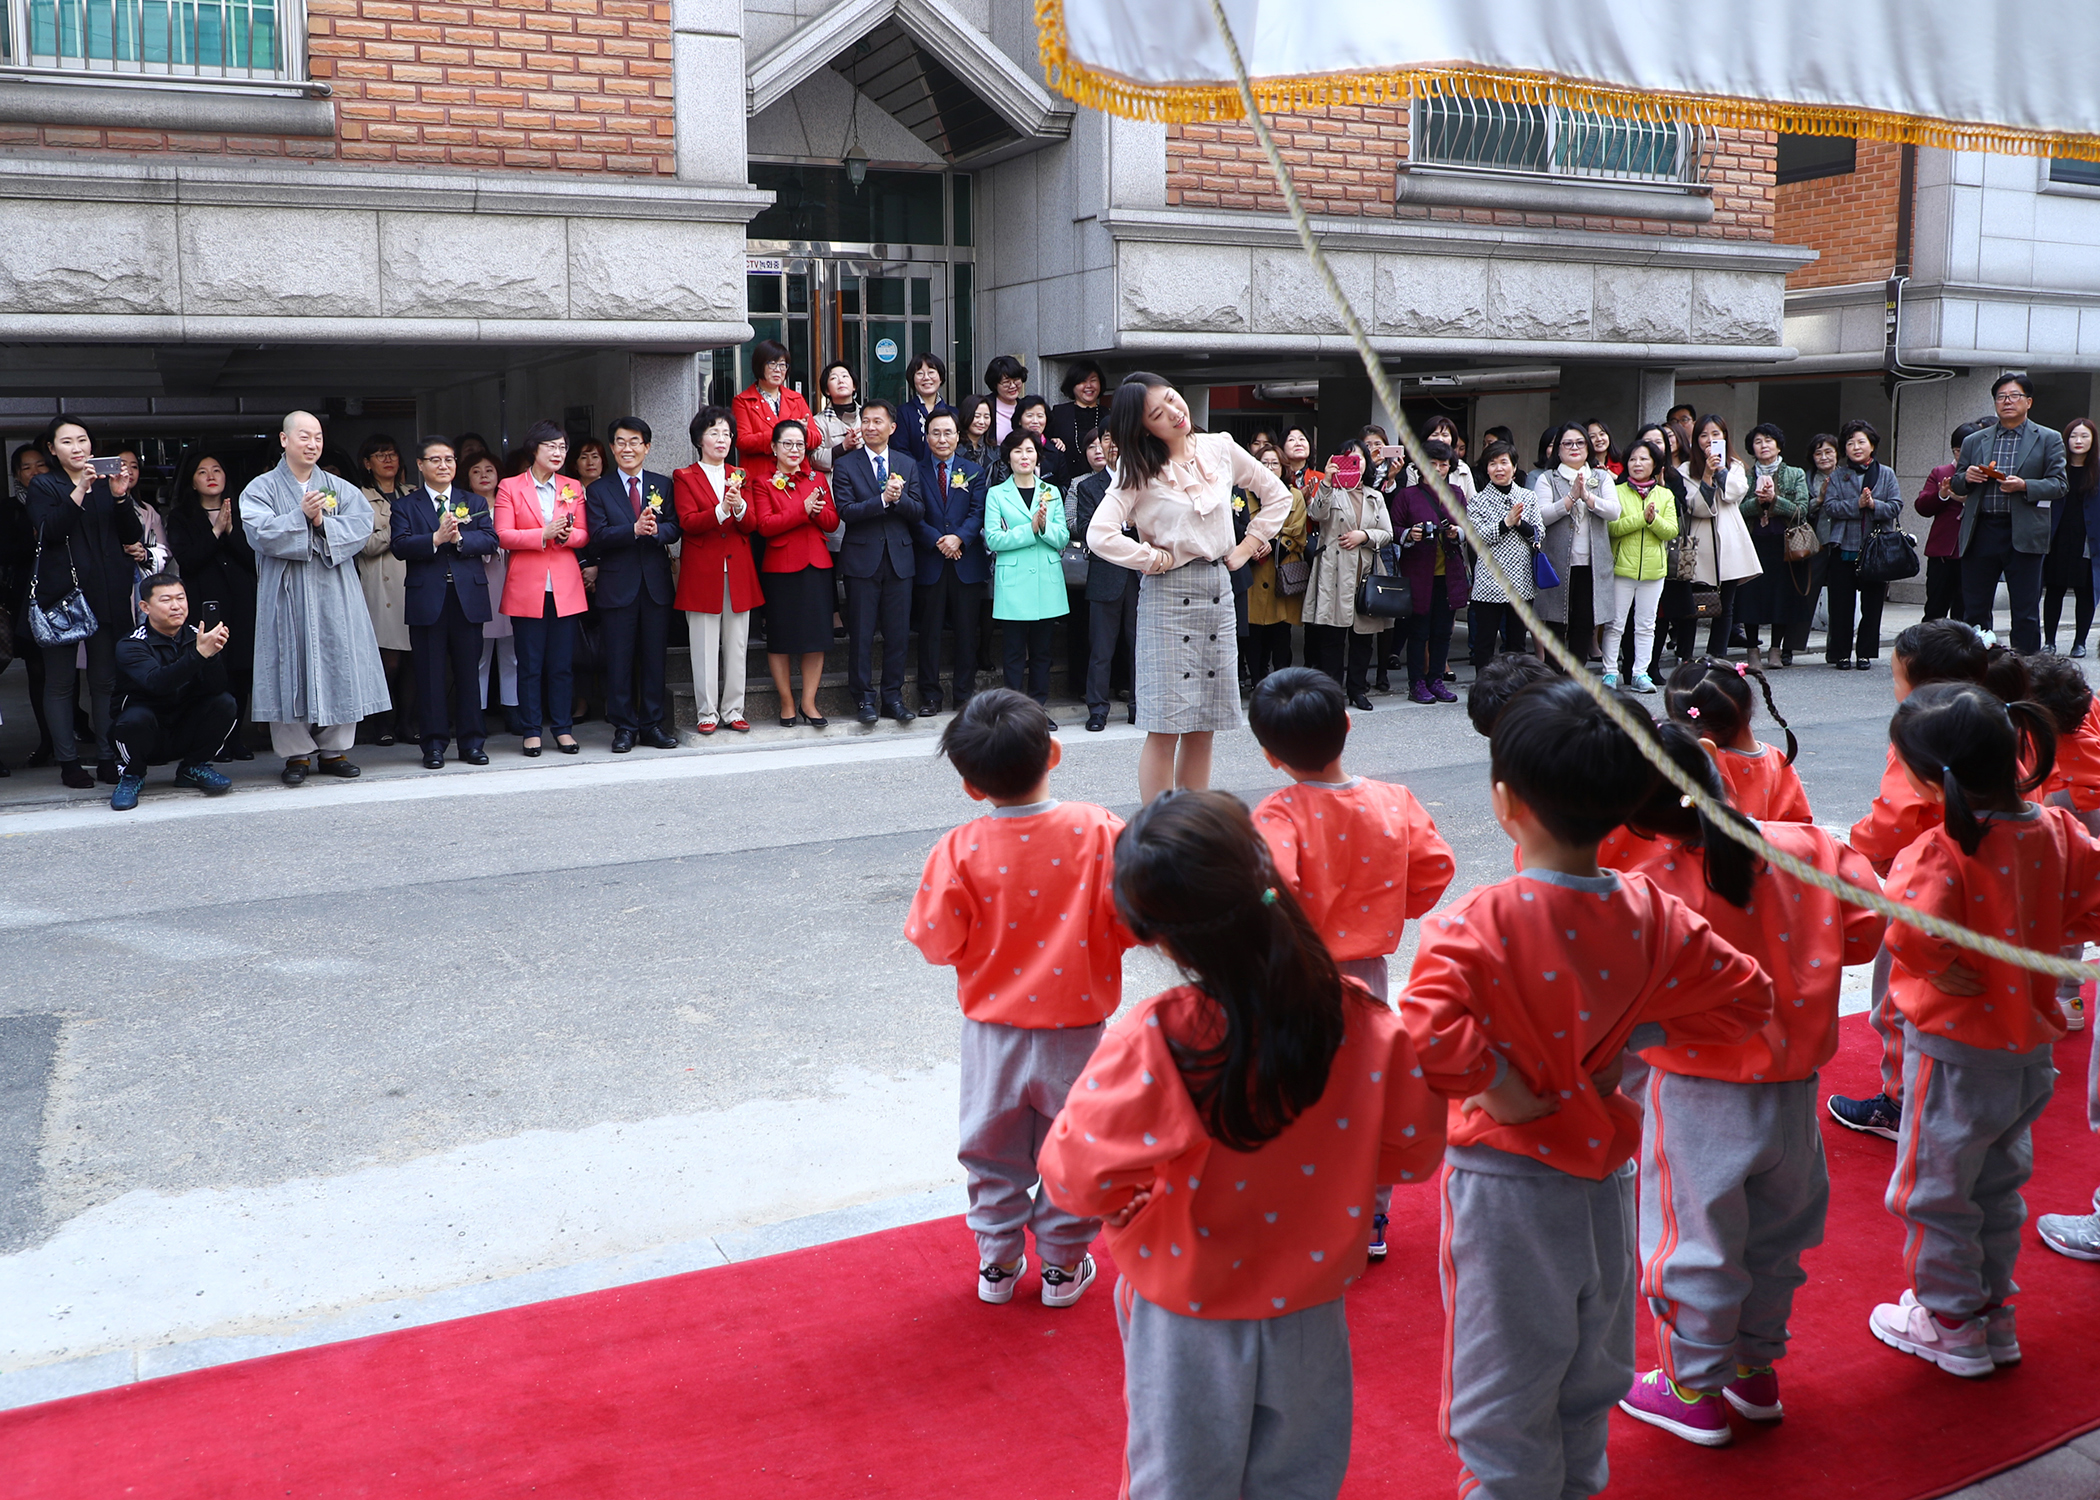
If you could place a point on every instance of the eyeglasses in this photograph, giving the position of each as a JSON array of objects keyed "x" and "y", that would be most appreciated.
[
  {"x": 2005, "y": 396},
  {"x": 630, "y": 442}
]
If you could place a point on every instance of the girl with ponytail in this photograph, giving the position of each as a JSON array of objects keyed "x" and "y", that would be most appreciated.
[
  {"x": 1232, "y": 1131},
  {"x": 1733, "y": 1185},
  {"x": 1712, "y": 699},
  {"x": 1978, "y": 1032}
]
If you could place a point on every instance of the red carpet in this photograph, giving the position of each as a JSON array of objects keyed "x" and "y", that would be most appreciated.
[{"x": 868, "y": 1368}]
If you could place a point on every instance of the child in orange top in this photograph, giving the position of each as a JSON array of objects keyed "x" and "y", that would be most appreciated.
[
  {"x": 1936, "y": 651},
  {"x": 1020, "y": 902},
  {"x": 1712, "y": 699},
  {"x": 1977, "y": 1070},
  {"x": 1522, "y": 1000},
  {"x": 2057, "y": 683},
  {"x": 1361, "y": 856},
  {"x": 1733, "y": 1183},
  {"x": 1231, "y": 1131}
]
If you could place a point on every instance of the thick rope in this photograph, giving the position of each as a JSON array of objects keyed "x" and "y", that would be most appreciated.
[{"x": 1640, "y": 730}]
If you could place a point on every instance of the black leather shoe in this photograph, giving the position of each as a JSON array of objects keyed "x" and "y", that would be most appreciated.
[
  {"x": 816, "y": 721},
  {"x": 866, "y": 711},
  {"x": 623, "y": 741},
  {"x": 1361, "y": 701},
  {"x": 531, "y": 752},
  {"x": 656, "y": 739},
  {"x": 2079, "y": 649},
  {"x": 296, "y": 771},
  {"x": 106, "y": 772},
  {"x": 475, "y": 757},
  {"x": 1842, "y": 665},
  {"x": 338, "y": 766},
  {"x": 433, "y": 760},
  {"x": 567, "y": 747},
  {"x": 895, "y": 709},
  {"x": 1096, "y": 722},
  {"x": 929, "y": 705}
]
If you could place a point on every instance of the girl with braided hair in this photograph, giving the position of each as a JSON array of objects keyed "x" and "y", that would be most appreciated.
[{"x": 1712, "y": 699}]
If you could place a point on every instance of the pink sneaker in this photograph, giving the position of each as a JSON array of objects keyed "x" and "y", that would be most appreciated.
[
  {"x": 1703, "y": 1419},
  {"x": 1755, "y": 1393},
  {"x": 1963, "y": 1351},
  {"x": 2001, "y": 1333}
]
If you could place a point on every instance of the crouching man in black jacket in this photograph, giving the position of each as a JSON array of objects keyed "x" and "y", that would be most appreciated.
[{"x": 172, "y": 702}]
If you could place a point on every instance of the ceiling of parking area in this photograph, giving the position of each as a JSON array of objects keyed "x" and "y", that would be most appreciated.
[{"x": 179, "y": 373}]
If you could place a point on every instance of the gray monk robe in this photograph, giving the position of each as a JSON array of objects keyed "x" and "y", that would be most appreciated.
[{"x": 316, "y": 660}]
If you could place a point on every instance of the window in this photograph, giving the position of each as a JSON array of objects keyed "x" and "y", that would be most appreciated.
[
  {"x": 1552, "y": 141},
  {"x": 1803, "y": 157},
  {"x": 821, "y": 204},
  {"x": 2080, "y": 173},
  {"x": 160, "y": 38}
]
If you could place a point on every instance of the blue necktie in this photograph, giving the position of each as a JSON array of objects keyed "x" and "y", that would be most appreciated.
[{"x": 882, "y": 470}]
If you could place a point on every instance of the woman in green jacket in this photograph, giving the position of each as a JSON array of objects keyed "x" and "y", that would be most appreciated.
[
  {"x": 1024, "y": 529},
  {"x": 1640, "y": 558},
  {"x": 1778, "y": 500}
]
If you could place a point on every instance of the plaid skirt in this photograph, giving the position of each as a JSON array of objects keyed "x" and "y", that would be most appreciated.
[{"x": 1187, "y": 677}]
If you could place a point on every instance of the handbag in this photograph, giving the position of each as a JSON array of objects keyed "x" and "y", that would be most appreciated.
[
  {"x": 1801, "y": 541},
  {"x": 1887, "y": 555},
  {"x": 1384, "y": 594},
  {"x": 72, "y": 621},
  {"x": 1543, "y": 574},
  {"x": 1293, "y": 574}
]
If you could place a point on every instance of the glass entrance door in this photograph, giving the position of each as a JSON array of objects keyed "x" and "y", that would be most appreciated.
[{"x": 883, "y": 315}]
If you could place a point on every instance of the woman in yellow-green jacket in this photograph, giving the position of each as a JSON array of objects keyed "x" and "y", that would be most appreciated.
[{"x": 1640, "y": 558}]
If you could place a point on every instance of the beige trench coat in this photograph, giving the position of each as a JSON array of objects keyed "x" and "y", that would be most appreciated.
[{"x": 1330, "y": 598}]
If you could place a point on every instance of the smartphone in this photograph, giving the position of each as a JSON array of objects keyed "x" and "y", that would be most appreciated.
[
  {"x": 1719, "y": 451},
  {"x": 1348, "y": 471},
  {"x": 108, "y": 468},
  {"x": 209, "y": 615}
]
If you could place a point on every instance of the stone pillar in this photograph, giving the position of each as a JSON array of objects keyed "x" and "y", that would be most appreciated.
[
  {"x": 667, "y": 396},
  {"x": 1924, "y": 417},
  {"x": 707, "y": 78},
  {"x": 1658, "y": 393}
]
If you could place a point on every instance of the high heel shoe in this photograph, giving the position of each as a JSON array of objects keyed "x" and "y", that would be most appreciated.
[
  {"x": 816, "y": 721},
  {"x": 566, "y": 747},
  {"x": 532, "y": 751}
]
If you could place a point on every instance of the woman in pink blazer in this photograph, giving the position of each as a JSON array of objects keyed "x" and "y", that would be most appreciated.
[{"x": 540, "y": 523}]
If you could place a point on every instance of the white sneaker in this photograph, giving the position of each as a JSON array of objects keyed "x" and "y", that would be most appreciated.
[
  {"x": 2073, "y": 1007},
  {"x": 2001, "y": 1332},
  {"x": 1061, "y": 1288},
  {"x": 995, "y": 1283},
  {"x": 1963, "y": 1351}
]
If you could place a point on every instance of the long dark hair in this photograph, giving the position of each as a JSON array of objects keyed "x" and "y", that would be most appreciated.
[
  {"x": 2085, "y": 477},
  {"x": 1712, "y": 698},
  {"x": 1731, "y": 868},
  {"x": 1194, "y": 876},
  {"x": 1139, "y": 455},
  {"x": 1961, "y": 738}
]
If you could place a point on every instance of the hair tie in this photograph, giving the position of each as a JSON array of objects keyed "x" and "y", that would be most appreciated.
[
  {"x": 1741, "y": 670},
  {"x": 1691, "y": 713},
  {"x": 1685, "y": 801},
  {"x": 1268, "y": 896}
]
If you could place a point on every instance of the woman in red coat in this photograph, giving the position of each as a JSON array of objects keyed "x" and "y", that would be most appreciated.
[
  {"x": 767, "y": 403},
  {"x": 541, "y": 524},
  {"x": 717, "y": 585},
  {"x": 794, "y": 511}
]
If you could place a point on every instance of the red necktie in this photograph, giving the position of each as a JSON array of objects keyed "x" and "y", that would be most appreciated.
[
  {"x": 944, "y": 477},
  {"x": 634, "y": 495}
]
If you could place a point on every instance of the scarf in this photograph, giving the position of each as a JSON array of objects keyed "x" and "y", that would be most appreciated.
[{"x": 1641, "y": 486}]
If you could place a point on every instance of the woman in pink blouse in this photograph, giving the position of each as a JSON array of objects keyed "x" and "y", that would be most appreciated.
[
  {"x": 1173, "y": 488},
  {"x": 540, "y": 522}
]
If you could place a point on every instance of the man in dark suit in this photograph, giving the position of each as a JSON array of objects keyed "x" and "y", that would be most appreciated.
[
  {"x": 953, "y": 565},
  {"x": 882, "y": 501},
  {"x": 447, "y": 600},
  {"x": 1111, "y": 598},
  {"x": 632, "y": 523},
  {"x": 2006, "y": 530}
]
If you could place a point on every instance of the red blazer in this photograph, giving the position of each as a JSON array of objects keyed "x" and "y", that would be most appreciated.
[
  {"x": 793, "y": 541},
  {"x": 519, "y": 532},
  {"x": 707, "y": 546},
  {"x": 754, "y": 431}
]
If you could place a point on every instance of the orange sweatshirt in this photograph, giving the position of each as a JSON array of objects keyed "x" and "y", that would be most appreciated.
[
  {"x": 1622, "y": 849},
  {"x": 1897, "y": 817},
  {"x": 1802, "y": 937},
  {"x": 1240, "y": 1234},
  {"x": 1550, "y": 975},
  {"x": 2078, "y": 763},
  {"x": 1024, "y": 908},
  {"x": 1763, "y": 786},
  {"x": 1362, "y": 858},
  {"x": 2034, "y": 881}
]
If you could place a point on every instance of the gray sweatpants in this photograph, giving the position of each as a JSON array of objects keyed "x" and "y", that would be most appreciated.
[
  {"x": 1538, "y": 1273},
  {"x": 1733, "y": 1189},
  {"x": 1014, "y": 1081},
  {"x": 1965, "y": 1150},
  {"x": 1235, "y": 1408}
]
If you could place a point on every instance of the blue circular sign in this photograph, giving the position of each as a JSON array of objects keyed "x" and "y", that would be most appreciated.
[{"x": 886, "y": 351}]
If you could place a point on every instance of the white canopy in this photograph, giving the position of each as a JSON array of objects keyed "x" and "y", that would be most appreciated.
[{"x": 1936, "y": 72}]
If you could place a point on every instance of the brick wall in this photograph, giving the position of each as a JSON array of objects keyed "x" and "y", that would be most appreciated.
[
  {"x": 1851, "y": 219},
  {"x": 1344, "y": 160},
  {"x": 563, "y": 85}
]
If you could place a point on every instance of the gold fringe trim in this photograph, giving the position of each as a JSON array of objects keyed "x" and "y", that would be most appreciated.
[{"x": 1199, "y": 102}]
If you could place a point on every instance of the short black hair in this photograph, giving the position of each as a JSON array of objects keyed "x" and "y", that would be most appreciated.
[
  {"x": 1015, "y": 436},
  {"x": 161, "y": 580},
  {"x": 630, "y": 424},
  {"x": 1500, "y": 449},
  {"x": 1300, "y": 716},
  {"x": 1496, "y": 435},
  {"x": 1003, "y": 367},
  {"x": 999, "y": 742},
  {"x": 1968, "y": 430},
  {"x": 1437, "y": 451},
  {"x": 1500, "y": 680},
  {"x": 1578, "y": 772},
  {"x": 425, "y": 444},
  {"x": 2058, "y": 685},
  {"x": 1077, "y": 372},
  {"x": 705, "y": 418},
  {"x": 947, "y": 414},
  {"x": 542, "y": 431},
  {"x": 2013, "y": 377},
  {"x": 878, "y": 403},
  {"x": 378, "y": 442},
  {"x": 1683, "y": 406},
  {"x": 1771, "y": 430},
  {"x": 764, "y": 353},
  {"x": 1859, "y": 424}
]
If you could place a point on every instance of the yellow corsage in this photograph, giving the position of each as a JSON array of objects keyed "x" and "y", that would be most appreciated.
[
  {"x": 461, "y": 512},
  {"x": 656, "y": 500},
  {"x": 328, "y": 502},
  {"x": 958, "y": 482},
  {"x": 781, "y": 481}
]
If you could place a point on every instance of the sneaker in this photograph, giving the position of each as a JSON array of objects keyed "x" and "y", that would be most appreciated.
[
  {"x": 1611, "y": 679},
  {"x": 1419, "y": 692},
  {"x": 2075, "y": 1235},
  {"x": 995, "y": 1283},
  {"x": 1643, "y": 683},
  {"x": 1061, "y": 1288},
  {"x": 204, "y": 779},
  {"x": 1755, "y": 1393},
  {"x": 1440, "y": 690},
  {"x": 1879, "y": 1115},
  {"x": 2001, "y": 1334},
  {"x": 1692, "y": 1415},
  {"x": 126, "y": 796},
  {"x": 1963, "y": 1351},
  {"x": 2073, "y": 1007},
  {"x": 1378, "y": 1223}
]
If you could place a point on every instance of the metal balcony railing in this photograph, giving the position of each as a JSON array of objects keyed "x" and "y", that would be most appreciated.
[
  {"x": 210, "y": 40},
  {"x": 1548, "y": 140}
]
